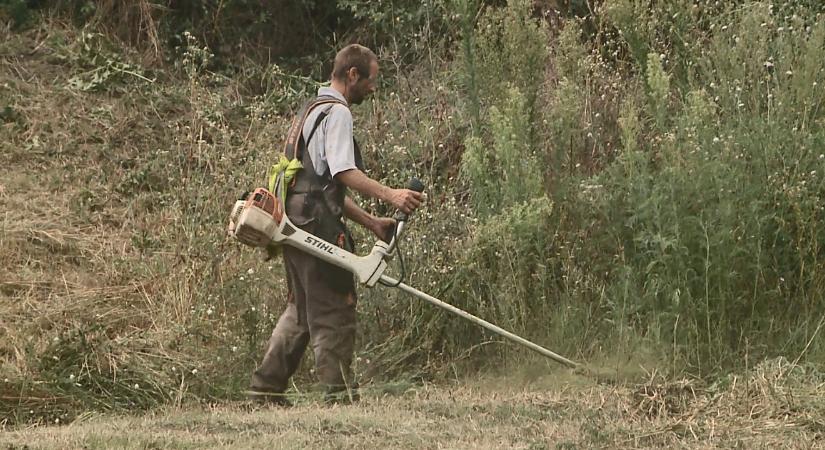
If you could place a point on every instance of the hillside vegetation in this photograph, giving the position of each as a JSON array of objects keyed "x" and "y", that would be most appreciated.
[{"x": 631, "y": 184}]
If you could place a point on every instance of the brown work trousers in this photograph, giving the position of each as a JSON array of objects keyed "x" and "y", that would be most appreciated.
[{"x": 320, "y": 310}]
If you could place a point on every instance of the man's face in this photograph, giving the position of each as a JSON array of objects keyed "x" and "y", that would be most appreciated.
[{"x": 360, "y": 87}]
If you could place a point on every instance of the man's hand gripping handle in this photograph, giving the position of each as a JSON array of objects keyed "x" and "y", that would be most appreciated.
[{"x": 401, "y": 217}]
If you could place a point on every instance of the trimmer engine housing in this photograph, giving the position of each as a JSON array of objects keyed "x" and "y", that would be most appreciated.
[{"x": 256, "y": 219}]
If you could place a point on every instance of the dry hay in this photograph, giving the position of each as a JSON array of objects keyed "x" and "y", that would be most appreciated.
[{"x": 774, "y": 400}]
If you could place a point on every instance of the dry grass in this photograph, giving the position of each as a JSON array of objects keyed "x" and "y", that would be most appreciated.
[
  {"x": 771, "y": 408},
  {"x": 102, "y": 289}
]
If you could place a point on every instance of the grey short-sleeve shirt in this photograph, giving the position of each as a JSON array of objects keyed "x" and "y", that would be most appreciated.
[{"x": 332, "y": 146}]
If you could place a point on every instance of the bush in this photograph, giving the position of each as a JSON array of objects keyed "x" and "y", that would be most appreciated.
[{"x": 708, "y": 201}]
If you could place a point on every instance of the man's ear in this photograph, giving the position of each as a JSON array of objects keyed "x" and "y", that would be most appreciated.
[{"x": 353, "y": 75}]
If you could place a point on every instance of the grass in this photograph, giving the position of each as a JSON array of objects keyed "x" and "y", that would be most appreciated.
[
  {"x": 109, "y": 286},
  {"x": 771, "y": 407}
]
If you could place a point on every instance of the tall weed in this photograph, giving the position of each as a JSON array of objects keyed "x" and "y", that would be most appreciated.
[{"x": 713, "y": 259}]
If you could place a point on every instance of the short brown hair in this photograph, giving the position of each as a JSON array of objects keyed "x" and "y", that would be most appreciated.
[{"x": 353, "y": 55}]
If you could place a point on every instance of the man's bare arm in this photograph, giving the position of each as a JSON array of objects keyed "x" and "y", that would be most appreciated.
[
  {"x": 404, "y": 199},
  {"x": 381, "y": 226},
  {"x": 357, "y": 214}
]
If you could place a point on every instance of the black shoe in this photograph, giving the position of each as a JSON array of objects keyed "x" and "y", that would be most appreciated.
[{"x": 269, "y": 398}]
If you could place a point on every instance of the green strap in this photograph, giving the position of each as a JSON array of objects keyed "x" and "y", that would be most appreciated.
[
  {"x": 280, "y": 175},
  {"x": 288, "y": 169}
]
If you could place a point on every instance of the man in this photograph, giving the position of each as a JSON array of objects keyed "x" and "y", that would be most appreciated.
[{"x": 321, "y": 300}]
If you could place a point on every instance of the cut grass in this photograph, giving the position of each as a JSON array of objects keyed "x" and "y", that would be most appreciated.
[{"x": 759, "y": 411}]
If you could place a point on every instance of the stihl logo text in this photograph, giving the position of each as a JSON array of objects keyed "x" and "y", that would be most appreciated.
[{"x": 325, "y": 246}]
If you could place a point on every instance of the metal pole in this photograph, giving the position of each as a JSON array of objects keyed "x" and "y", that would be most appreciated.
[{"x": 515, "y": 338}]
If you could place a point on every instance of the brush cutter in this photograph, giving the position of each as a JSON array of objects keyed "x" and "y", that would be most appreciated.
[{"x": 259, "y": 220}]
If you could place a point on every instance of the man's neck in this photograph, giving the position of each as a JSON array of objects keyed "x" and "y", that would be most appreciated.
[{"x": 341, "y": 88}]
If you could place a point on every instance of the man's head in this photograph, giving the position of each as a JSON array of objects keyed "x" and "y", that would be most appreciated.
[{"x": 355, "y": 72}]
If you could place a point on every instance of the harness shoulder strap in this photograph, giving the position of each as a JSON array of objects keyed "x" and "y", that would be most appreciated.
[
  {"x": 317, "y": 123},
  {"x": 292, "y": 148}
]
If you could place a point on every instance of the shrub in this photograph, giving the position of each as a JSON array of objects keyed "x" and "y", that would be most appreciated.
[{"x": 709, "y": 244}]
